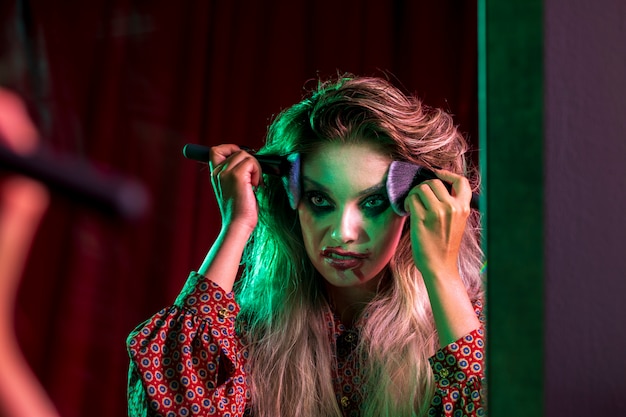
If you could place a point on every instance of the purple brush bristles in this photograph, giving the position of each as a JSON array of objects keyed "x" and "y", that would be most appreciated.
[
  {"x": 403, "y": 176},
  {"x": 292, "y": 180}
]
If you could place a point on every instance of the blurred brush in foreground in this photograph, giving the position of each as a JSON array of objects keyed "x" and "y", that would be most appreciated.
[{"x": 23, "y": 202}]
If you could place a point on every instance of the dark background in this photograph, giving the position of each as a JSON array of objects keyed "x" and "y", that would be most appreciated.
[
  {"x": 552, "y": 95},
  {"x": 125, "y": 84},
  {"x": 585, "y": 225}
]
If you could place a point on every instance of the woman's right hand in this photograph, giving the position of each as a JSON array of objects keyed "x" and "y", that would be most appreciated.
[{"x": 234, "y": 175}]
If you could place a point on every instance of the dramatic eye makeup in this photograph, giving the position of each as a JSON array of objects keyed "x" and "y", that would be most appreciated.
[
  {"x": 318, "y": 201},
  {"x": 375, "y": 204},
  {"x": 373, "y": 200}
]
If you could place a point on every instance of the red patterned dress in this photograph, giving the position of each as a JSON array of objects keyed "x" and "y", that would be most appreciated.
[{"x": 187, "y": 360}]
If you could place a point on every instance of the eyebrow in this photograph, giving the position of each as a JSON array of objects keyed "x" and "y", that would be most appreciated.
[{"x": 370, "y": 190}]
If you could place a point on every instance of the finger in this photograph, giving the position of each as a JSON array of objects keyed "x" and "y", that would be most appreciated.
[
  {"x": 238, "y": 165},
  {"x": 234, "y": 159},
  {"x": 437, "y": 191},
  {"x": 419, "y": 200},
  {"x": 218, "y": 154},
  {"x": 244, "y": 164},
  {"x": 461, "y": 188},
  {"x": 433, "y": 196},
  {"x": 216, "y": 172},
  {"x": 227, "y": 155}
]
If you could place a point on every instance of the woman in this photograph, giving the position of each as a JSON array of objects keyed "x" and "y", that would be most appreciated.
[{"x": 343, "y": 308}]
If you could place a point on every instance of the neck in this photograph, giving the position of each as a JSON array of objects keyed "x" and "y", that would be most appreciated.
[{"x": 349, "y": 302}]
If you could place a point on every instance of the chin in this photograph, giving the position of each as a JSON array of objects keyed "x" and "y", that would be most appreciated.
[{"x": 349, "y": 278}]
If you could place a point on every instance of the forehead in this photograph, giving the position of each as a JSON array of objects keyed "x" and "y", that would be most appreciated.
[{"x": 346, "y": 168}]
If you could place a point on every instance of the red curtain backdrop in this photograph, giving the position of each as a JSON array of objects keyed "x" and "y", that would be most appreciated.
[{"x": 127, "y": 84}]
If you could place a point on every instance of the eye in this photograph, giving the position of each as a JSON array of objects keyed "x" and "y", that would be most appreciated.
[
  {"x": 375, "y": 204},
  {"x": 318, "y": 201},
  {"x": 375, "y": 201}
]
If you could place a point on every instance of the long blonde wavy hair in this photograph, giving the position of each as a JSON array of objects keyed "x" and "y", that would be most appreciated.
[{"x": 281, "y": 294}]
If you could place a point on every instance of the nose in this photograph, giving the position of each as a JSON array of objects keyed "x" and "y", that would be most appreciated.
[{"x": 347, "y": 226}]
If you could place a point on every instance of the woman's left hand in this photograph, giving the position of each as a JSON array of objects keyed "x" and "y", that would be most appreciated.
[{"x": 438, "y": 219}]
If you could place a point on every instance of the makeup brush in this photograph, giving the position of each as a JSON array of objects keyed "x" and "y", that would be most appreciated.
[
  {"x": 403, "y": 176},
  {"x": 286, "y": 167},
  {"x": 78, "y": 180}
]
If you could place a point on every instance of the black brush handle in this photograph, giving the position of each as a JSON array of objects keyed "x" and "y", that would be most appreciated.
[
  {"x": 196, "y": 152},
  {"x": 270, "y": 164}
]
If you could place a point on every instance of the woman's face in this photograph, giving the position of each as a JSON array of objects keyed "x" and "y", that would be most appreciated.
[{"x": 349, "y": 229}]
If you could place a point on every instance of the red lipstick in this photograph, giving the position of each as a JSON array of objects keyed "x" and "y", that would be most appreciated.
[{"x": 343, "y": 260}]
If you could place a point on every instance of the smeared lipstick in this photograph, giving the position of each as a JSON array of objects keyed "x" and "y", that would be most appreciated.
[{"x": 343, "y": 260}]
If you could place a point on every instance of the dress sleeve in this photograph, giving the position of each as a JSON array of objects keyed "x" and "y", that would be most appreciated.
[
  {"x": 187, "y": 359},
  {"x": 459, "y": 372}
]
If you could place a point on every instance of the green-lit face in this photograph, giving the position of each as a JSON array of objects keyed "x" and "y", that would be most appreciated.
[{"x": 349, "y": 228}]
